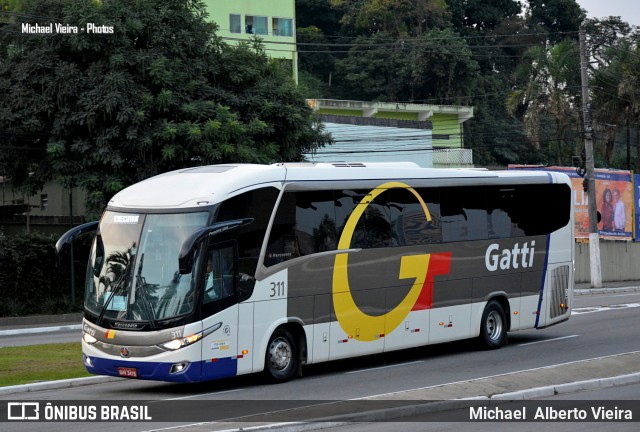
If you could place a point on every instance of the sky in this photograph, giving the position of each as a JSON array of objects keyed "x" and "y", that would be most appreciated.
[{"x": 629, "y": 10}]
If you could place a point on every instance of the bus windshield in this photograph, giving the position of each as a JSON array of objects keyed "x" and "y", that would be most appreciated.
[{"x": 133, "y": 267}]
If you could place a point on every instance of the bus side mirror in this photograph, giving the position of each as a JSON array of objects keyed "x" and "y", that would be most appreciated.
[{"x": 189, "y": 246}]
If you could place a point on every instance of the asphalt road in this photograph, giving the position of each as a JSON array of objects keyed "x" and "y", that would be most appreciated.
[
  {"x": 582, "y": 400},
  {"x": 39, "y": 338},
  {"x": 602, "y": 325}
]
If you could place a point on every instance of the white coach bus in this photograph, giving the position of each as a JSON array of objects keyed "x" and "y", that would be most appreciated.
[{"x": 217, "y": 271}]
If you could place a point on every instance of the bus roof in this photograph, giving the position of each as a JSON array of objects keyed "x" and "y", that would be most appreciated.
[{"x": 206, "y": 185}]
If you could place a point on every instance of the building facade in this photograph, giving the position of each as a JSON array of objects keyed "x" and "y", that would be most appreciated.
[
  {"x": 273, "y": 21},
  {"x": 430, "y": 135},
  {"x": 52, "y": 210}
]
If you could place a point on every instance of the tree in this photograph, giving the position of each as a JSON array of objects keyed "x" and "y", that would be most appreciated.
[
  {"x": 615, "y": 80},
  {"x": 548, "y": 84},
  {"x": 481, "y": 15},
  {"x": 393, "y": 17},
  {"x": 431, "y": 68},
  {"x": 314, "y": 57},
  {"x": 161, "y": 92},
  {"x": 319, "y": 14},
  {"x": 611, "y": 105},
  {"x": 561, "y": 18}
]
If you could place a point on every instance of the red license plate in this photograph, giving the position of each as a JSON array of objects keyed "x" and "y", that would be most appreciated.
[{"x": 128, "y": 372}]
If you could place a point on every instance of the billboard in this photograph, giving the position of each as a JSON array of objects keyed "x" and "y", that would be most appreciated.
[
  {"x": 636, "y": 202},
  {"x": 614, "y": 201}
]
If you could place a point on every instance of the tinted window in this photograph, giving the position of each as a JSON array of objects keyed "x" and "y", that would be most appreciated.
[
  {"x": 315, "y": 222},
  {"x": 304, "y": 224},
  {"x": 542, "y": 209},
  {"x": 503, "y": 211},
  {"x": 373, "y": 228},
  {"x": 219, "y": 276},
  {"x": 282, "y": 240},
  {"x": 410, "y": 225},
  {"x": 257, "y": 204},
  {"x": 464, "y": 213}
]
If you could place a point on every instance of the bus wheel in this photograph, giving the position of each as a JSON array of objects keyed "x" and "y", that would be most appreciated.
[
  {"x": 281, "y": 360},
  {"x": 493, "y": 327}
]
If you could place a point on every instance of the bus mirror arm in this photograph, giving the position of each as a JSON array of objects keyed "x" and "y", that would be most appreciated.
[
  {"x": 74, "y": 232},
  {"x": 188, "y": 248}
]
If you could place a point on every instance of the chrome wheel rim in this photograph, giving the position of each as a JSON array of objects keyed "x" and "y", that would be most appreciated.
[
  {"x": 494, "y": 326},
  {"x": 279, "y": 354}
]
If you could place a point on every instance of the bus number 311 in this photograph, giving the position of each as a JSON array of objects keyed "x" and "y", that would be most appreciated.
[{"x": 277, "y": 289}]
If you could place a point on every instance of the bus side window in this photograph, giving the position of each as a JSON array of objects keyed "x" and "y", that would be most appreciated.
[
  {"x": 464, "y": 214},
  {"x": 282, "y": 240},
  {"x": 346, "y": 201},
  {"x": 535, "y": 220},
  {"x": 219, "y": 278},
  {"x": 408, "y": 220},
  {"x": 503, "y": 206},
  {"x": 315, "y": 228},
  {"x": 256, "y": 204}
]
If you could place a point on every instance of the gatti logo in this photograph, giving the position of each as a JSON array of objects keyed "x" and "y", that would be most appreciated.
[
  {"x": 421, "y": 268},
  {"x": 507, "y": 258}
]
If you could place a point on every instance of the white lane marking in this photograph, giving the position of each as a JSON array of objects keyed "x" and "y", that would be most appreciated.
[
  {"x": 200, "y": 395},
  {"x": 178, "y": 427},
  {"x": 593, "y": 309},
  {"x": 385, "y": 367},
  {"x": 547, "y": 340}
]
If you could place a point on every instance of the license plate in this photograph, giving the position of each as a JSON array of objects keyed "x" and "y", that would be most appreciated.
[{"x": 128, "y": 372}]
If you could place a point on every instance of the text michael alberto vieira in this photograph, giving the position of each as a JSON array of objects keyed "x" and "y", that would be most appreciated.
[
  {"x": 597, "y": 413},
  {"x": 58, "y": 28}
]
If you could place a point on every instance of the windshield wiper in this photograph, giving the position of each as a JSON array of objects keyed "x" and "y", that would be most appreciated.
[
  {"x": 140, "y": 284},
  {"x": 120, "y": 283}
]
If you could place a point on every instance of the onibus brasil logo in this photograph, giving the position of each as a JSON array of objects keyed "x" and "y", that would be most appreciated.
[{"x": 420, "y": 267}]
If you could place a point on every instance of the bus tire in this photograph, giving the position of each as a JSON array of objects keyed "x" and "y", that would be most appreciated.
[
  {"x": 281, "y": 359},
  {"x": 493, "y": 326}
]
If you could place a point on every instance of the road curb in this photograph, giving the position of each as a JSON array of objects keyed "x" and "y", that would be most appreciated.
[
  {"x": 58, "y": 384},
  {"x": 594, "y": 291}
]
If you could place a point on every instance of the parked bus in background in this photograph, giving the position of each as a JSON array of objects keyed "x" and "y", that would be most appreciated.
[{"x": 217, "y": 271}]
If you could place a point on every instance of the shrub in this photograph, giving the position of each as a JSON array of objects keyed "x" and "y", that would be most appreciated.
[{"x": 30, "y": 281}]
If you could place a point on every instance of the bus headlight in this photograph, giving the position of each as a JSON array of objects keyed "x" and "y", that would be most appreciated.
[
  {"x": 182, "y": 342},
  {"x": 89, "y": 339}
]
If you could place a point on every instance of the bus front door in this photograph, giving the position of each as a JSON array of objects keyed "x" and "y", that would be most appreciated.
[{"x": 220, "y": 311}]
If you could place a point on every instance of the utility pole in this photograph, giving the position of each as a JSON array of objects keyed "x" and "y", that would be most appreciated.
[
  {"x": 73, "y": 274},
  {"x": 594, "y": 239}
]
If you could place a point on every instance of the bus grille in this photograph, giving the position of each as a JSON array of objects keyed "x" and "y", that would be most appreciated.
[{"x": 559, "y": 291}]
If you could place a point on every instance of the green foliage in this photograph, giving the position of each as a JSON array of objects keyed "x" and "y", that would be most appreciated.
[
  {"x": 558, "y": 17},
  {"x": 396, "y": 17},
  {"x": 548, "y": 86},
  {"x": 162, "y": 92},
  {"x": 490, "y": 54},
  {"x": 24, "y": 365},
  {"x": 430, "y": 67},
  {"x": 319, "y": 14},
  {"x": 29, "y": 281},
  {"x": 481, "y": 15}
]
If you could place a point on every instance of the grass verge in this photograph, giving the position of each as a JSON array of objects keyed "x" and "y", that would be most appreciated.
[{"x": 30, "y": 364}]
